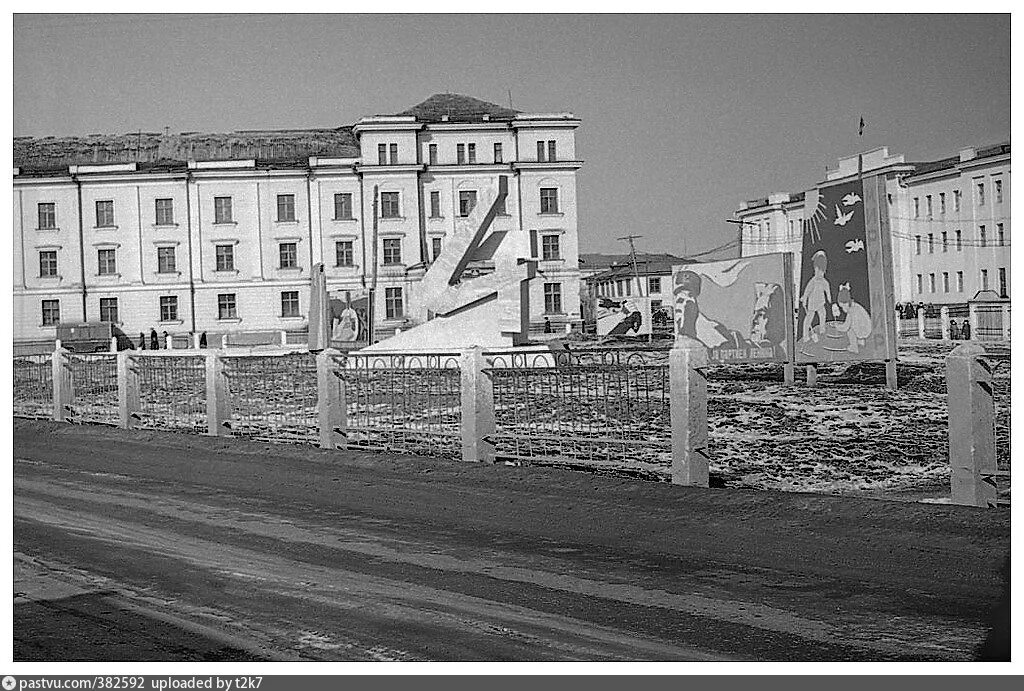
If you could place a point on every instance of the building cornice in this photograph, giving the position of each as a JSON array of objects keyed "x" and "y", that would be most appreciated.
[
  {"x": 367, "y": 169},
  {"x": 549, "y": 122},
  {"x": 469, "y": 168},
  {"x": 547, "y": 165},
  {"x": 466, "y": 126},
  {"x": 386, "y": 124}
]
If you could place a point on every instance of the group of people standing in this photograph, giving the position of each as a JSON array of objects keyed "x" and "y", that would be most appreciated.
[
  {"x": 957, "y": 332},
  {"x": 155, "y": 340}
]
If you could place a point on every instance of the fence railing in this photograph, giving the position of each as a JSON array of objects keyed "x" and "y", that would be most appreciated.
[{"x": 603, "y": 409}]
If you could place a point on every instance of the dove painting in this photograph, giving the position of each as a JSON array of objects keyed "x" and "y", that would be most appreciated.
[
  {"x": 841, "y": 218},
  {"x": 851, "y": 199},
  {"x": 854, "y": 246}
]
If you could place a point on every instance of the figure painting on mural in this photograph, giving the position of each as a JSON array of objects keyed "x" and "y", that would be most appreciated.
[
  {"x": 348, "y": 318},
  {"x": 625, "y": 317},
  {"x": 737, "y": 308},
  {"x": 834, "y": 308}
]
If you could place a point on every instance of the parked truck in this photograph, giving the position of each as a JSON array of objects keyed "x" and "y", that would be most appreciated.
[{"x": 92, "y": 337}]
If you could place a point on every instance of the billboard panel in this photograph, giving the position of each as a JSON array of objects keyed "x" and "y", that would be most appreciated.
[
  {"x": 741, "y": 309},
  {"x": 845, "y": 306},
  {"x": 348, "y": 318},
  {"x": 627, "y": 316}
]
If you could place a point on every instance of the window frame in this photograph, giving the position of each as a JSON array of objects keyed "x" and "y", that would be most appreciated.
[
  {"x": 499, "y": 154},
  {"x": 169, "y": 308},
  {"x": 550, "y": 239},
  {"x": 47, "y": 307},
  {"x": 218, "y": 209},
  {"x": 106, "y": 261},
  {"x": 394, "y": 303},
  {"x": 340, "y": 252},
  {"x": 224, "y": 251},
  {"x": 52, "y": 215},
  {"x": 553, "y": 298},
  {"x": 289, "y": 206},
  {"x": 44, "y": 262},
  {"x": 343, "y": 203},
  {"x": 467, "y": 203},
  {"x": 108, "y": 205},
  {"x": 550, "y": 198},
  {"x": 161, "y": 252},
  {"x": 227, "y": 302},
  {"x": 167, "y": 211},
  {"x": 288, "y": 255},
  {"x": 390, "y": 201},
  {"x": 391, "y": 251},
  {"x": 106, "y": 303},
  {"x": 287, "y": 300}
]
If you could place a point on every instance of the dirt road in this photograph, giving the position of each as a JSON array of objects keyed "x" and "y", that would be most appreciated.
[{"x": 147, "y": 545}]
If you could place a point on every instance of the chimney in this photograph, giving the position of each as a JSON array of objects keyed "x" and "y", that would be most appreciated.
[{"x": 968, "y": 154}]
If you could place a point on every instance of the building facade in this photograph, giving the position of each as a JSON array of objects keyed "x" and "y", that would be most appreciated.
[
  {"x": 949, "y": 219},
  {"x": 218, "y": 233}
]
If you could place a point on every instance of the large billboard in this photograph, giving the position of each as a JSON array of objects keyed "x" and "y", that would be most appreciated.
[
  {"x": 348, "y": 318},
  {"x": 741, "y": 309},
  {"x": 627, "y": 316},
  {"x": 845, "y": 301}
]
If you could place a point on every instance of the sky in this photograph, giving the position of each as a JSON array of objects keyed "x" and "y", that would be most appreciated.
[{"x": 684, "y": 117}]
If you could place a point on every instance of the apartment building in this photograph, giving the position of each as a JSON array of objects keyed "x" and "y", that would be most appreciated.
[
  {"x": 949, "y": 219},
  {"x": 201, "y": 232}
]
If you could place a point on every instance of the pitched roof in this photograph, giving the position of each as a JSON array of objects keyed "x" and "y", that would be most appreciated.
[
  {"x": 174, "y": 150},
  {"x": 458, "y": 108},
  {"x": 646, "y": 264}
]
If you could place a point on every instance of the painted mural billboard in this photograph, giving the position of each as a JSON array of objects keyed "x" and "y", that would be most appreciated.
[
  {"x": 844, "y": 307},
  {"x": 626, "y": 316},
  {"x": 348, "y": 319},
  {"x": 741, "y": 309}
]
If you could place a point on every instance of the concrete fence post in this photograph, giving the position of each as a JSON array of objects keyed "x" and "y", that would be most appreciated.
[
  {"x": 218, "y": 405},
  {"x": 920, "y": 323},
  {"x": 788, "y": 374},
  {"x": 284, "y": 337},
  {"x": 63, "y": 384},
  {"x": 195, "y": 341},
  {"x": 331, "y": 408},
  {"x": 128, "y": 403},
  {"x": 477, "y": 407},
  {"x": 944, "y": 319},
  {"x": 891, "y": 381},
  {"x": 1006, "y": 322},
  {"x": 113, "y": 344},
  {"x": 972, "y": 437},
  {"x": 812, "y": 374},
  {"x": 688, "y": 408},
  {"x": 972, "y": 317}
]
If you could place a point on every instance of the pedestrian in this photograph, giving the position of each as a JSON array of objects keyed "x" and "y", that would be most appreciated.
[
  {"x": 167, "y": 341},
  {"x": 965, "y": 330},
  {"x": 547, "y": 325},
  {"x": 202, "y": 340},
  {"x": 142, "y": 341},
  {"x": 154, "y": 340},
  {"x": 954, "y": 330}
]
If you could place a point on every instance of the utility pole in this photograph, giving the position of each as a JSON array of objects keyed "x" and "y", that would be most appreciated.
[
  {"x": 739, "y": 238},
  {"x": 371, "y": 303},
  {"x": 632, "y": 258}
]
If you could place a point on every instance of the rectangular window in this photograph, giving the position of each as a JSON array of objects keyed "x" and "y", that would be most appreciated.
[
  {"x": 551, "y": 151},
  {"x": 1002, "y": 282},
  {"x": 500, "y": 211},
  {"x": 165, "y": 212},
  {"x": 931, "y": 283},
  {"x": 460, "y": 153},
  {"x": 931, "y": 244},
  {"x": 959, "y": 281},
  {"x": 917, "y": 244},
  {"x": 984, "y": 279},
  {"x": 917, "y": 207},
  {"x": 343, "y": 206},
  {"x": 467, "y": 200},
  {"x": 107, "y": 260},
  {"x": 471, "y": 152},
  {"x": 382, "y": 154},
  {"x": 290, "y": 303},
  {"x": 498, "y": 158},
  {"x": 942, "y": 202},
  {"x": 108, "y": 310},
  {"x": 104, "y": 214},
  {"x": 51, "y": 312},
  {"x": 226, "y": 307},
  {"x": 928, "y": 204},
  {"x": 47, "y": 212},
  {"x": 981, "y": 194},
  {"x": 548, "y": 200},
  {"x": 394, "y": 153},
  {"x": 389, "y": 207},
  {"x": 540, "y": 151},
  {"x": 285, "y": 208},
  {"x": 344, "y": 254},
  {"x": 289, "y": 255},
  {"x": 165, "y": 260},
  {"x": 945, "y": 241},
  {"x": 392, "y": 250},
  {"x": 47, "y": 263},
  {"x": 653, "y": 285},
  {"x": 983, "y": 241},
  {"x": 168, "y": 308},
  {"x": 225, "y": 257},
  {"x": 956, "y": 200},
  {"x": 920, "y": 284},
  {"x": 435, "y": 204},
  {"x": 553, "y": 298},
  {"x": 999, "y": 191},
  {"x": 432, "y": 154},
  {"x": 1000, "y": 235},
  {"x": 959, "y": 242},
  {"x": 945, "y": 281},
  {"x": 393, "y": 308},
  {"x": 222, "y": 210},
  {"x": 550, "y": 249},
  {"x": 629, "y": 287},
  {"x": 435, "y": 248}
]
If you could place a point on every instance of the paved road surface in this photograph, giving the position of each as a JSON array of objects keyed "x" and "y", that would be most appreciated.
[{"x": 145, "y": 545}]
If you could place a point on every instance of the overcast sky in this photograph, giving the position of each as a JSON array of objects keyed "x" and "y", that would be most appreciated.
[{"x": 684, "y": 116}]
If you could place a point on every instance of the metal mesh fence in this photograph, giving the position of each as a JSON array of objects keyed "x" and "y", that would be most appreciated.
[
  {"x": 273, "y": 397},
  {"x": 172, "y": 392},
  {"x": 933, "y": 326},
  {"x": 95, "y": 388},
  {"x": 1000, "y": 364},
  {"x": 33, "y": 386},
  {"x": 990, "y": 322},
  {"x": 907, "y": 327},
  {"x": 599, "y": 409},
  {"x": 407, "y": 404}
]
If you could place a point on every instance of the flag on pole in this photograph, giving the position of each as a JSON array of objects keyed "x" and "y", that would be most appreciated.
[{"x": 860, "y": 133}]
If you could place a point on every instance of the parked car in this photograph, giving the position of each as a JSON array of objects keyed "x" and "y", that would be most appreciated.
[{"x": 92, "y": 337}]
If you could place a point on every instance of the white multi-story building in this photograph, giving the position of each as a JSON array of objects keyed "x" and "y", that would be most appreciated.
[
  {"x": 218, "y": 233},
  {"x": 950, "y": 222}
]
